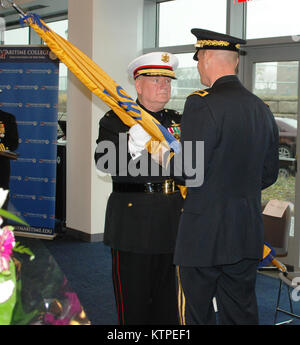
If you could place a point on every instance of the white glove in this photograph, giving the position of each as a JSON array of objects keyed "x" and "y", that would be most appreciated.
[
  {"x": 159, "y": 154},
  {"x": 3, "y": 196},
  {"x": 138, "y": 138}
]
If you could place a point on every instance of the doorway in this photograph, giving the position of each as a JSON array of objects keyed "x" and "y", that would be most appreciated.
[{"x": 272, "y": 73}]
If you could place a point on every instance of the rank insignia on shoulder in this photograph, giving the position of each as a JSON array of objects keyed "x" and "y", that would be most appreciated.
[{"x": 201, "y": 93}]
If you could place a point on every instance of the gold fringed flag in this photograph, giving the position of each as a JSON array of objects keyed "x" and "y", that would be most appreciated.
[
  {"x": 101, "y": 84},
  {"x": 269, "y": 258}
]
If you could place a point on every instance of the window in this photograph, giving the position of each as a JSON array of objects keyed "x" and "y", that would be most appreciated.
[
  {"x": 273, "y": 18},
  {"x": 276, "y": 83},
  {"x": 177, "y": 18},
  {"x": 16, "y": 36},
  {"x": 277, "y": 78},
  {"x": 61, "y": 28}
]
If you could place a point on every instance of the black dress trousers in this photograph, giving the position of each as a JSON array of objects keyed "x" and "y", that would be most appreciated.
[
  {"x": 233, "y": 285},
  {"x": 144, "y": 288}
]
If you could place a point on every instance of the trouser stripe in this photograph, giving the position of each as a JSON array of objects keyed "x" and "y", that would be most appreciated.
[
  {"x": 118, "y": 287},
  {"x": 181, "y": 299}
]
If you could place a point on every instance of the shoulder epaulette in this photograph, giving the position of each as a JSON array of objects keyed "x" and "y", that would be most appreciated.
[
  {"x": 201, "y": 93},
  {"x": 267, "y": 104},
  {"x": 172, "y": 111}
]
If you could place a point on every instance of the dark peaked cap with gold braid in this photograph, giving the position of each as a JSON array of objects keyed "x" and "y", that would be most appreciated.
[{"x": 214, "y": 40}]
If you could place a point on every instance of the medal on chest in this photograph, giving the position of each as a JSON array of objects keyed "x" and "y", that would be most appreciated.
[
  {"x": 175, "y": 130},
  {"x": 2, "y": 130}
]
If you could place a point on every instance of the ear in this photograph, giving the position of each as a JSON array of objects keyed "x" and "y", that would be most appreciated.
[
  {"x": 237, "y": 61},
  {"x": 138, "y": 85},
  {"x": 208, "y": 53}
]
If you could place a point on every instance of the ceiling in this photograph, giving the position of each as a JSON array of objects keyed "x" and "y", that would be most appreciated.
[{"x": 47, "y": 9}]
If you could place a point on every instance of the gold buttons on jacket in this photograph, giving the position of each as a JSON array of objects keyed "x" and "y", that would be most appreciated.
[{"x": 130, "y": 204}]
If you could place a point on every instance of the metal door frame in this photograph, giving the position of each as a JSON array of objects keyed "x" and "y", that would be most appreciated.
[{"x": 269, "y": 53}]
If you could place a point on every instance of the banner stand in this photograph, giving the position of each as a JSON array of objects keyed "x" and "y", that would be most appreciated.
[{"x": 29, "y": 90}]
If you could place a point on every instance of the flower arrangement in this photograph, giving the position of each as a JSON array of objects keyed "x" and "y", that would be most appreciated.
[{"x": 8, "y": 245}]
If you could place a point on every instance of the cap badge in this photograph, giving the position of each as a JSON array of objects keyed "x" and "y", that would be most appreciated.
[{"x": 165, "y": 58}]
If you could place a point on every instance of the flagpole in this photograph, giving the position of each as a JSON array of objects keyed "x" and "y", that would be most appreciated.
[
  {"x": 16, "y": 7},
  {"x": 19, "y": 10}
]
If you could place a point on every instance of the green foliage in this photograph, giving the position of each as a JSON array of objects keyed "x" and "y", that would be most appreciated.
[
  {"x": 20, "y": 317},
  {"x": 283, "y": 189},
  {"x": 7, "y": 308},
  {"x": 11, "y": 216},
  {"x": 23, "y": 250}
]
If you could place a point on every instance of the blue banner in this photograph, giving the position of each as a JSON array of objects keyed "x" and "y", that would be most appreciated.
[{"x": 29, "y": 90}]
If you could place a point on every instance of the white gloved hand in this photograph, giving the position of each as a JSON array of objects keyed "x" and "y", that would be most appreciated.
[
  {"x": 138, "y": 138},
  {"x": 3, "y": 196},
  {"x": 159, "y": 154}
]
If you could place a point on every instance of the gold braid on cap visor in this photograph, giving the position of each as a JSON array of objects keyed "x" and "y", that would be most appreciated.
[
  {"x": 155, "y": 71},
  {"x": 202, "y": 43}
]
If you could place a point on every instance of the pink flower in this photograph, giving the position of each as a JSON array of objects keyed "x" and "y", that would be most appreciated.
[{"x": 7, "y": 242}]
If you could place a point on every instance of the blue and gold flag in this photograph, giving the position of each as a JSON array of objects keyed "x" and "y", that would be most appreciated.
[{"x": 101, "y": 84}]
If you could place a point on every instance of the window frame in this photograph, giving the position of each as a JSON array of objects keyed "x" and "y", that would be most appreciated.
[
  {"x": 34, "y": 38},
  {"x": 236, "y": 25}
]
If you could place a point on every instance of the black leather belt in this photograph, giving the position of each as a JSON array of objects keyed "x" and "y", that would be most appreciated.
[{"x": 166, "y": 187}]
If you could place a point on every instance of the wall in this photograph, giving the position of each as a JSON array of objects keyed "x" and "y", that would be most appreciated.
[
  {"x": 282, "y": 106},
  {"x": 109, "y": 32}
]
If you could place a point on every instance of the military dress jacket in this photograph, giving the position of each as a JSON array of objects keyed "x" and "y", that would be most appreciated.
[
  {"x": 138, "y": 222},
  {"x": 222, "y": 222},
  {"x": 9, "y": 140}
]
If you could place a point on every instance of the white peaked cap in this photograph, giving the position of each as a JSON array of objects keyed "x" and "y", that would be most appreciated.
[{"x": 157, "y": 63}]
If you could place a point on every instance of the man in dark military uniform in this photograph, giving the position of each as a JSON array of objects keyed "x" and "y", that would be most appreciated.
[
  {"x": 143, "y": 211},
  {"x": 9, "y": 141},
  {"x": 221, "y": 236}
]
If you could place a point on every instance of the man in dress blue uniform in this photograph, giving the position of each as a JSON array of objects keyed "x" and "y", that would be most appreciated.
[
  {"x": 220, "y": 238},
  {"x": 143, "y": 211}
]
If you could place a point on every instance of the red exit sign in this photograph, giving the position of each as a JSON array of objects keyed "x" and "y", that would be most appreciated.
[{"x": 237, "y": 1}]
